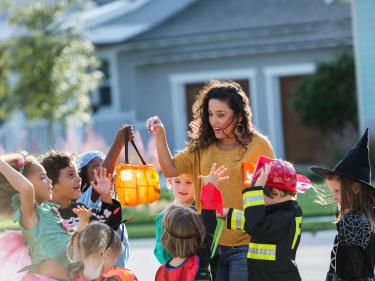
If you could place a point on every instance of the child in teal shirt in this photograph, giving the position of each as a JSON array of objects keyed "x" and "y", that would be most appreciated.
[
  {"x": 25, "y": 191},
  {"x": 183, "y": 190}
]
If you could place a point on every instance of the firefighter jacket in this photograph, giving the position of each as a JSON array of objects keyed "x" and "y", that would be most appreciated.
[{"x": 275, "y": 234}]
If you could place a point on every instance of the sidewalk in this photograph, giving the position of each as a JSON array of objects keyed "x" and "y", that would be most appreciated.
[
  {"x": 312, "y": 258},
  {"x": 314, "y": 253}
]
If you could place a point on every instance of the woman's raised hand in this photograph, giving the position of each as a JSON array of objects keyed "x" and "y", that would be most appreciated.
[
  {"x": 154, "y": 125},
  {"x": 215, "y": 176}
]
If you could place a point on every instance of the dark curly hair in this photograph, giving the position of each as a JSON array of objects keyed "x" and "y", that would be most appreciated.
[
  {"x": 54, "y": 161},
  {"x": 232, "y": 93}
]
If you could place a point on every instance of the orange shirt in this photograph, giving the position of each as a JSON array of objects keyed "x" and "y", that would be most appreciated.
[
  {"x": 200, "y": 162},
  {"x": 122, "y": 274}
]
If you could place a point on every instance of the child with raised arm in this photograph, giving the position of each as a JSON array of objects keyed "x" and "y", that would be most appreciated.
[
  {"x": 272, "y": 217},
  {"x": 92, "y": 160},
  {"x": 61, "y": 169},
  {"x": 25, "y": 191}
]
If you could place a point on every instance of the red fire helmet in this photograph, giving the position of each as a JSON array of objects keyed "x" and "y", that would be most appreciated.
[{"x": 282, "y": 174}]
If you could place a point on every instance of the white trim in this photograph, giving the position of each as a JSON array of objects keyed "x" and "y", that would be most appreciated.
[
  {"x": 274, "y": 114},
  {"x": 179, "y": 80},
  {"x": 112, "y": 82},
  {"x": 115, "y": 81},
  {"x": 358, "y": 62},
  {"x": 102, "y": 14}
]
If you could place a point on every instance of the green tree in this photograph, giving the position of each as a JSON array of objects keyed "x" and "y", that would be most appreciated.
[
  {"x": 53, "y": 65},
  {"x": 326, "y": 100}
]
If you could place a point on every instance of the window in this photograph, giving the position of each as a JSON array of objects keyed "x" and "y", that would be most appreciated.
[{"x": 103, "y": 96}]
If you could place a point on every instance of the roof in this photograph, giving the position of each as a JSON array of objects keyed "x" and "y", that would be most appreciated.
[
  {"x": 213, "y": 16},
  {"x": 163, "y": 22},
  {"x": 117, "y": 21},
  {"x": 122, "y": 20}
]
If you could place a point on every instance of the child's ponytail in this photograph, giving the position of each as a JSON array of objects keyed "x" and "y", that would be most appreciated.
[
  {"x": 23, "y": 164},
  {"x": 96, "y": 238}
]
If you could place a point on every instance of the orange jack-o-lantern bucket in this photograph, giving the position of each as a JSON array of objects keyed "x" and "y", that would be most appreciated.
[{"x": 136, "y": 184}]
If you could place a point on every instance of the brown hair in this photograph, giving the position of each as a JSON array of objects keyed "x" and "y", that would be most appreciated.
[
  {"x": 184, "y": 231},
  {"x": 54, "y": 161},
  {"x": 97, "y": 237},
  {"x": 232, "y": 93},
  {"x": 268, "y": 191},
  {"x": 6, "y": 189},
  {"x": 355, "y": 196}
]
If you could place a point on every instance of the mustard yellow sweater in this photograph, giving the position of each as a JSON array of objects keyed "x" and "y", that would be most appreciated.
[{"x": 200, "y": 162}]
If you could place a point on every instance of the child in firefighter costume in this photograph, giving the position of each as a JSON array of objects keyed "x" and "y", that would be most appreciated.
[
  {"x": 272, "y": 216},
  {"x": 353, "y": 253}
]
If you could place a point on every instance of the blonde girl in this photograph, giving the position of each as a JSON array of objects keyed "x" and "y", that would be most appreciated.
[
  {"x": 94, "y": 252},
  {"x": 183, "y": 190},
  {"x": 188, "y": 236}
]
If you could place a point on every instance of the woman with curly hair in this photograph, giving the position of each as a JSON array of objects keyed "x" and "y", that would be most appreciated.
[{"x": 224, "y": 135}]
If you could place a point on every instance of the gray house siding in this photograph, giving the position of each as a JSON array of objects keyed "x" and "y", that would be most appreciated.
[
  {"x": 147, "y": 89},
  {"x": 219, "y": 39},
  {"x": 217, "y": 16},
  {"x": 155, "y": 48}
]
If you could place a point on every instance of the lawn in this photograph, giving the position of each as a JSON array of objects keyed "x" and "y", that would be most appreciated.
[
  {"x": 310, "y": 208},
  {"x": 142, "y": 218}
]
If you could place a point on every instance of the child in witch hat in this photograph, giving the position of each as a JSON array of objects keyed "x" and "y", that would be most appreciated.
[
  {"x": 353, "y": 254},
  {"x": 272, "y": 216}
]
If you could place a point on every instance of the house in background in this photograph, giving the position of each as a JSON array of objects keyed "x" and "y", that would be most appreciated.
[
  {"x": 364, "y": 41},
  {"x": 158, "y": 53}
]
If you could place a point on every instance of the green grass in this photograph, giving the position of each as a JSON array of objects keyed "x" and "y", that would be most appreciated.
[
  {"x": 310, "y": 208},
  {"x": 317, "y": 226},
  {"x": 148, "y": 230},
  {"x": 141, "y": 230},
  {"x": 143, "y": 224}
]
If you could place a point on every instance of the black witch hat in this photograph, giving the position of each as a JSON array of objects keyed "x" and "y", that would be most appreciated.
[{"x": 355, "y": 165}]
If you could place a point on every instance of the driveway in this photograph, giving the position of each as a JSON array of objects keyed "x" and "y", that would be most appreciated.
[{"x": 313, "y": 256}]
